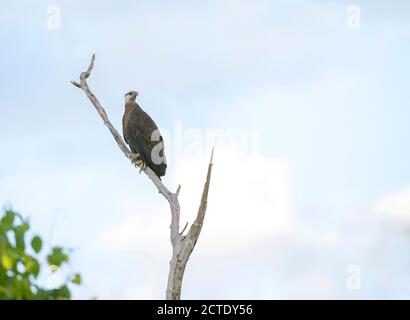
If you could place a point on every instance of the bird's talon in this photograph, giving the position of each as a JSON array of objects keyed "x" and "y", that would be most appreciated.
[
  {"x": 137, "y": 162},
  {"x": 142, "y": 167}
]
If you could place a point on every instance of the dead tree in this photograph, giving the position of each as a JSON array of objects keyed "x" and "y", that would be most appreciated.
[{"x": 182, "y": 244}]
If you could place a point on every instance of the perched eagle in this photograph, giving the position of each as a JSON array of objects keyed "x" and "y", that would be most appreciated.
[{"x": 142, "y": 135}]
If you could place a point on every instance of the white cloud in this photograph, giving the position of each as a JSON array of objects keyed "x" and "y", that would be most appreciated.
[
  {"x": 395, "y": 205},
  {"x": 239, "y": 214},
  {"x": 314, "y": 284}
]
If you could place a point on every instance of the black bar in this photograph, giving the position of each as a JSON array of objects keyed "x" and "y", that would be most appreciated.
[{"x": 207, "y": 309}]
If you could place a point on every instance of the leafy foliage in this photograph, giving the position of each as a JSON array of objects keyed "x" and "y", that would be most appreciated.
[{"x": 19, "y": 262}]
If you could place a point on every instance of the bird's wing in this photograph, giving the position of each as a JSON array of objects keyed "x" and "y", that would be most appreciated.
[
  {"x": 125, "y": 124},
  {"x": 150, "y": 134},
  {"x": 142, "y": 135}
]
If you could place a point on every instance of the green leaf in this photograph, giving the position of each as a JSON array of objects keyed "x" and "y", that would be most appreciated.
[
  {"x": 76, "y": 279},
  {"x": 7, "y": 261},
  {"x": 4, "y": 242},
  {"x": 7, "y": 221},
  {"x": 64, "y": 293},
  {"x": 18, "y": 288},
  {"x": 36, "y": 244},
  {"x": 41, "y": 293},
  {"x": 32, "y": 266},
  {"x": 26, "y": 288},
  {"x": 60, "y": 293},
  {"x": 57, "y": 257},
  {"x": 8, "y": 292},
  {"x": 20, "y": 232}
]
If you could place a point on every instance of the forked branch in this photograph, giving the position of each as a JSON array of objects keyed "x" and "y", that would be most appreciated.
[{"x": 182, "y": 245}]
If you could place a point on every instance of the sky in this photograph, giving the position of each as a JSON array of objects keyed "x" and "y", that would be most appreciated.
[{"x": 305, "y": 102}]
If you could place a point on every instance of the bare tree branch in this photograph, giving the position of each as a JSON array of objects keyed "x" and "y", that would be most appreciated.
[
  {"x": 183, "y": 249},
  {"x": 195, "y": 229},
  {"x": 182, "y": 246}
]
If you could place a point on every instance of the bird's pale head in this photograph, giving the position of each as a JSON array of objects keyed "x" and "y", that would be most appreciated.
[{"x": 130, "y": 96}]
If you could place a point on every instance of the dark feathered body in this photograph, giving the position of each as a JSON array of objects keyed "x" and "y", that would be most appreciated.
[{"x": 138, "y": 128}]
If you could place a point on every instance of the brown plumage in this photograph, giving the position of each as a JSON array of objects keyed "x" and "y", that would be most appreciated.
[{"x": 142, "y": 135}]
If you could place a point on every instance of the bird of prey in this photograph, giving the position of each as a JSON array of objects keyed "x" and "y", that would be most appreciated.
[{"x": 142, "y": 135}]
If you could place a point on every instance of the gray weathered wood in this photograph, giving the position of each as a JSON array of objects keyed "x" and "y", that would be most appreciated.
[{"x": 182, "y": 244}]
